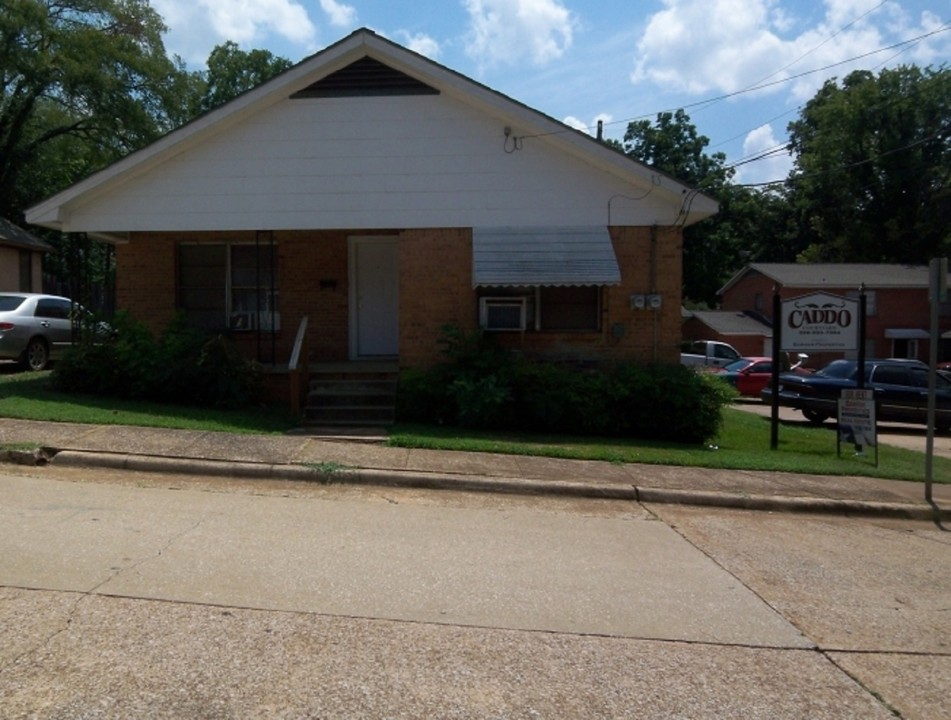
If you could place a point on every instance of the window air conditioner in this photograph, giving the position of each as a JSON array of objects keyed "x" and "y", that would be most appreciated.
[
  {"x": 502, "y": 313},
  {"x": 256, "y": 321}
]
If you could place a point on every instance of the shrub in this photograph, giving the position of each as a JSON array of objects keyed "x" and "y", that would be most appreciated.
[
  {"x": 184, "y": 366},
  {"x": 121, "y": 365},
  {"x": 481, "y": 385}
]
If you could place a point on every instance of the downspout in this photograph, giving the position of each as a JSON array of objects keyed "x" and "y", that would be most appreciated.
[{"x": 653, "y": 289}]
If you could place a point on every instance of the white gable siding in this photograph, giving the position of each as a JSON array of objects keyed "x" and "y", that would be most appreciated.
[{"x": 394, "y": 162}]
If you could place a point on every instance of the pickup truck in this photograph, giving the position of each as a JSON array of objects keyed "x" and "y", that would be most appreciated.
[{"x": 711, "y": 353}]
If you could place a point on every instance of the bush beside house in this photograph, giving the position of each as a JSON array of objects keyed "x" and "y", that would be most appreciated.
[
  {"x": 182, "y": 366},
  {"x": 481, "y": 385}
]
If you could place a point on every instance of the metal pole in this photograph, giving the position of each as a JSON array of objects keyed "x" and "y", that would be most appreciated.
[
  {"x": 936, "y": 268},
  {"x": 777, "y": 349},
  {"x": 861, "y": 358}
]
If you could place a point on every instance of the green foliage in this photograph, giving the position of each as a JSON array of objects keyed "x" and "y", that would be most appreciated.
[
  {"x": 232, "y": 71},
  {"x": 674, "y": 146},
  {"x": 872, "y": 179},
  {"x": 715, "y": 248},
  {"x": 83, "y": 83},
  {"x": 483, "y": 386},
  {"x": 183, "y": 366}
]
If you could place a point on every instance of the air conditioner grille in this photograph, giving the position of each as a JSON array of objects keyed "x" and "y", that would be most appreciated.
[{"x": 502, "y": 313}]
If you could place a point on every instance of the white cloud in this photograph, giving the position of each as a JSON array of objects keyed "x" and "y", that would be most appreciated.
[
  {"x": 775, "y": 163},
  {"x": 198, "y": 25},
  {"x": 340, "y": 15},
  {"x": 573, "y": 122},
  {"x": 722, "y": 46},
  {"x": 246, "y": 20},
  {"x": 587, "y": 127},
  {"x": 505, "y": 32},
  {"x": 421, "y": 43}
]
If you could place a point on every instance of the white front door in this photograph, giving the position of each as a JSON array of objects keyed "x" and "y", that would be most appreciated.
[{"x": 374, "y": 297}]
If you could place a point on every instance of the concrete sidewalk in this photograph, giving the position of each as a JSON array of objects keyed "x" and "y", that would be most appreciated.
[{"x": 320, "y": 459}]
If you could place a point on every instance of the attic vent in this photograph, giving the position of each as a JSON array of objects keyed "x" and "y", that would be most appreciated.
[{"x": 365, "y": 77}]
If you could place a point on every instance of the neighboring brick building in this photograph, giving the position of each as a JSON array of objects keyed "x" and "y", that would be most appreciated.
[
  {"x": 898, "y": 308},
  {"x": 382, "y": 196}
]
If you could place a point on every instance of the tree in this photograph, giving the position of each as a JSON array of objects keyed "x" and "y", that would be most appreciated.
[
  {"x": 83, "y": 82},
  {"x": 232, "y": 71},
  {"x": 674, "y": 147},
  {"x": 872, "y": 175}
]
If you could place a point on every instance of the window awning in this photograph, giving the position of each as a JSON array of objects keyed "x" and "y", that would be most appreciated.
[
  {"x": 906, "y": 334},
  {"x": 543, "y": 256}
]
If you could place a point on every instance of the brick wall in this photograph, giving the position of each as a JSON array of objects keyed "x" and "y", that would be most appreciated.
[
  {"x": 145, "y": 278},
  {"x": 435, "y": 290},
  {"x": 650, "y": 263},
  {"x": 312, "y": 281}
]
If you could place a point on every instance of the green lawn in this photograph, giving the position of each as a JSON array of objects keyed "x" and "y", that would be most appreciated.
[
  {"x": 29, "y": 396},
  {"x": 743, "y": 443}
]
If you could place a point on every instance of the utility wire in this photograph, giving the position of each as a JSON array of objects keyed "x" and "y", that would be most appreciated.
[
  {"x": 761, "y": 86},
  {"x": 858, "y": 163}
]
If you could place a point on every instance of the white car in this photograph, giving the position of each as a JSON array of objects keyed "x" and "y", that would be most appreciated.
[{"x": 36, "y": 328}]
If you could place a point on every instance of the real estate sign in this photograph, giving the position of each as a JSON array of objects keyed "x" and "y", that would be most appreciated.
[
  {"x": 820, "y": 322},
  {"x": 857, "y": 418}
]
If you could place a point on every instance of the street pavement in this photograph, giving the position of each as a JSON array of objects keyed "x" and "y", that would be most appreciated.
[
  {"x": 130, "y": 594},
  {"x": 157, "y": 573}
]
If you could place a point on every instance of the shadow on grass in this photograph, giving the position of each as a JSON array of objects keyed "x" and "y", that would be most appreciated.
[{"x": 31, "y": 396}]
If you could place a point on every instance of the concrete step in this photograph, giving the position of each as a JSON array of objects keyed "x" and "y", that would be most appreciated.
[{"x": 342, "y": 398}]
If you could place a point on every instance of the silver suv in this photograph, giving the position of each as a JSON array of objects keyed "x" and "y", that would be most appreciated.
[{"x": 35, "y": 328}]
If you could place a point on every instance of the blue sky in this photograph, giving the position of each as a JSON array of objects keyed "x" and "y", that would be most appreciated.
[{"x": 615, "y": 60}]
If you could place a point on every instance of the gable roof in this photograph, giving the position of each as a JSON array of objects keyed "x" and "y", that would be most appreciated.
[
  {"x": 836, "y": 275},
  {"x": 333, "y": 70},
  {"x": 16, "y": 236}
]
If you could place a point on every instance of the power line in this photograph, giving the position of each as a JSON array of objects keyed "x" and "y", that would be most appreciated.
[
  {"x": 858, "y": 163},
  {"x": 761, "y": 86}
]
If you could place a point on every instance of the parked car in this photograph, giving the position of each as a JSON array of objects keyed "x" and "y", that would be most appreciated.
[
  {"x": 900, "y": 389},
  {"x": 707, "y": 353},
  {"x": 36, "y": 328},
  {"x": 749, "y": 375}
]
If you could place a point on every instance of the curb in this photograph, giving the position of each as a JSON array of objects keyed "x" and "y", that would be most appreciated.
[{"x": 515, "y": 486}]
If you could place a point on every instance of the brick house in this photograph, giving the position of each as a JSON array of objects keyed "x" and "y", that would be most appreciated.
[
  {"x": 898, "y": 308},
  {"x": 21, "y": 259},
  {"x": 381, "y": 196}
]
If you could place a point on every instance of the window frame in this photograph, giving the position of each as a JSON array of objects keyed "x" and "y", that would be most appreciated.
[
  {"x": 534, "y": 305},
  {"x": 231, "y": 318}
]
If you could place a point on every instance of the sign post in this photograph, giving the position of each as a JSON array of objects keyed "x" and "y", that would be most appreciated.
[
  {"x": 937, "y": 293},
  {"x": 815, "y": 323}
]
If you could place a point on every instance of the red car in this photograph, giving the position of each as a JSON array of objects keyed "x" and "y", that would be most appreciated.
[{"x": 749, "y": 375}]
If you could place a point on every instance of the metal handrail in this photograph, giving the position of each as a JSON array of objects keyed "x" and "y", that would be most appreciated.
[{"x": 298, "y": 384}]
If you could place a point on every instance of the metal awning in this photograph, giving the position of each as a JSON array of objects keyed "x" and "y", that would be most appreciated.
[
  {"x": 543, "y": 256},
  {"x": 906, "y": 334}
]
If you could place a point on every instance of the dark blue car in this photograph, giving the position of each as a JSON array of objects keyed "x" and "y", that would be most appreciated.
[{"x": 900, "y": 389}]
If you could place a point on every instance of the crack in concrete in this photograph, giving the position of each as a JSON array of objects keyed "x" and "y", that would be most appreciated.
[{"x": 93, "y": 591}]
